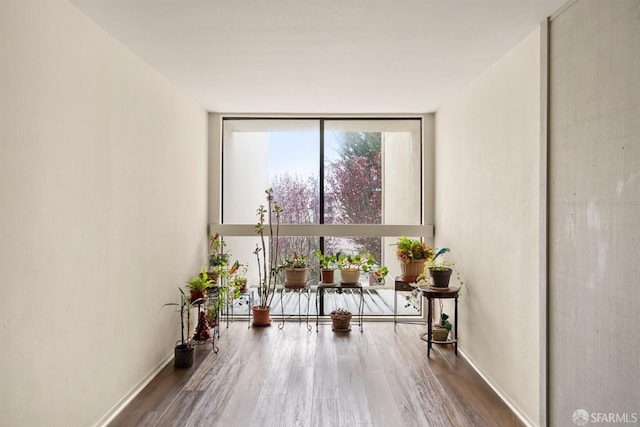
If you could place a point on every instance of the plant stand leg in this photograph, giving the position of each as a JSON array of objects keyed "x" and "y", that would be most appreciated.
[
  {"x": 361, "y": 310},
  {"x": 249, "y": 310},
  {"x": 308, "y": 294},
  {"x": 429, "y": 330},
  {"x": 213, "y": 340},
  {"x": 281, "y": 324},
  {"x": 455, "y": 325}
]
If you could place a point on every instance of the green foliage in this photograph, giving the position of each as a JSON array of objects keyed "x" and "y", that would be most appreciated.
[
  {"x": 444, "y": 322},
  {"x": 201, "y": 282},
  {"x": 327, "y": 261},
  {"x": 379, "y": 274},
  {"x": 238, "y": 278},
  {"x": 217, "y": 256},
  {"x": 360, "y": 261},
  {"x": 269, "y": 224},
  {"x": 360, "y": 144},
  {"x": 298, "y": 261},
  {"x": 185, "y": 306},
  {"x": 440, "y": 265},
  {"x": 412, "y": 249}
]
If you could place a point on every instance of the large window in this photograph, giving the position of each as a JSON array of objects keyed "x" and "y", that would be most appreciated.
[{"x": 344, "y": 184}]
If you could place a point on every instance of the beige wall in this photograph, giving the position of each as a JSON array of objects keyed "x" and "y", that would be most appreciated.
[
  {"x": 488, "y": 213},
  {"x": 594, "y": 212},
  {"x": 103, "y": 190}
]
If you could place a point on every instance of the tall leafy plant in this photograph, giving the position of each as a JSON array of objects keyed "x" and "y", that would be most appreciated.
[
  {"x": 184, "y": 307},
  {"x": 269, "y": 224}
]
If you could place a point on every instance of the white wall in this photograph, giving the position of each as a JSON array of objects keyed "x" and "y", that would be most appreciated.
[
  {"x": 487, "y": 213},
  {"x": 594, "y": 211},
  {"x": 102, "y": 215}
]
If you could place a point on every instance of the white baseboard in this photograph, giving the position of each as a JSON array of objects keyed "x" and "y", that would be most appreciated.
[
  {"x": 109, "y": 416},
  {"x": 527, "y": 422}
]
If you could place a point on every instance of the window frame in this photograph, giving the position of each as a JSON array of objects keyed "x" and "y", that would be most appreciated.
[{"x": 425, "y": 229}]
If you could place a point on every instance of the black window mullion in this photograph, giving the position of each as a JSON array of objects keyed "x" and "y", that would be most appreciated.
[{"x": 321, "y": 186}]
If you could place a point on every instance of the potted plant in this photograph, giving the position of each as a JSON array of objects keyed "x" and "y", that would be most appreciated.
[
  {"x": 327, "y": 266},
  {"x": 238, "y": 273},
  {"x": 198, "y": 286},
  {"x": 413, "y": 254},
  {"x": 352, "y": 265},
  {"x": 213, "y": 312},
  {"x": 377, "y": 275},
  {"x": 184, "y": 352},
  {"x": 296, "y": 271},
  {"x": 203, "y": 330},
  {"x": 440, "y": 271},
  {"x": 218, "y": 258},
  {"x": 441, "y": 274},
  {"x": 341, "y": 320},
  {"x": 269, "y": 224},
  {"x": 440, "y": 331}
]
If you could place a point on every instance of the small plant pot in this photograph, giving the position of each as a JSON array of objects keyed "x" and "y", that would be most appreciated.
[
  {"x": 349, "y": 277},
  {"x": 295, "y": 277},
  {"x": 439, "y": 333},
  {"x": 327, "y": 275},
  {"x": 411, "y": 270},
  {"x": 440, "y": 277},
  {"x": 184, "y": 356},
  {"x": 242, "y": 284},
  {"x": 341, "y": 322},
  {"x": 261, "y": 316},
  {"x": 195, "y": 295}
]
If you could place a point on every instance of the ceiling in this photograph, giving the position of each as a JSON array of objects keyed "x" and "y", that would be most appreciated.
[{"x": 322, "y": 56}]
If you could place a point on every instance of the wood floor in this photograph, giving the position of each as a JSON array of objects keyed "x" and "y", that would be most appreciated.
[{"x": 295, "y": 377}]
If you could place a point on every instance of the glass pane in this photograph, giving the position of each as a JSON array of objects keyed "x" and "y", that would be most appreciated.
[
  {"x": 353, "y": 246},
  {"x": 353, "y": 177},
  {"x": 242, "y": 249},
  {"x": 368, "y": 164},
  {"x": 303, "y": 247},
  {"x": 279, "y": 154}
]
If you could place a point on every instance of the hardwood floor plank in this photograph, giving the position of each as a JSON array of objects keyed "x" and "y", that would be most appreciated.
[
  {"x": 325, "y": 378},
  {"x": 240, "y": 406},
  {"x": 299, "y": 398},
  {"x": 325, "y": 413},
  {"x": 279, "y": 369},
  {"x": 293, "y": 377},
  {"x": 354, "y": 407},
  {"x": 268, "y": 411},
  {"x": 180, "y": 409}
]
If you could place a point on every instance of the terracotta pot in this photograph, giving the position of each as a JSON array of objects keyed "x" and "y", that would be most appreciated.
[
  {"x": 350, "y": 277},
  {"x": 198, "y": 295},
  {"x": 341, "y": 322},
  {"x": 295, "y": 277},
  {"x": 411, "y": 270},
  {"x": 327, "y": 275},
  {"x": 261, "y": 316}
]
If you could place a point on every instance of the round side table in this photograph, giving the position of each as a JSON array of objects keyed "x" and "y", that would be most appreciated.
[{"x": 431, "y": 294}]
